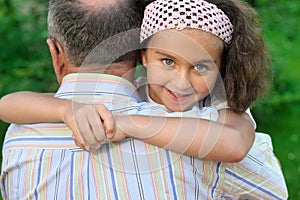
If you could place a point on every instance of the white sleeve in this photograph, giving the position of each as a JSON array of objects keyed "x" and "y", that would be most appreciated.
[
  {"x": 223, "y": 105},
  {"x": 251, "y": 118}
]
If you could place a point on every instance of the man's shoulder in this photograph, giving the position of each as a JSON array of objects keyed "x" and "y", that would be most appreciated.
[
  {"x": 259, "y": 168},
  {"x": 42, "y": 135}
]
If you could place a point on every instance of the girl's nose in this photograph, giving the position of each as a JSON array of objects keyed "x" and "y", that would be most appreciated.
[{"x": 181, "y": 80}]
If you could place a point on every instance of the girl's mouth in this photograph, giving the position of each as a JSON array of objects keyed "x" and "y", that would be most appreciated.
[{"x": 177, "y": 96}]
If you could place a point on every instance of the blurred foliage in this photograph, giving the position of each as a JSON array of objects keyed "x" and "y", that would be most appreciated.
[
  {"x": 25, "y": 64},
  {"x": 279, "y": 113},
  {"x": 281, "y": 33},
  {"x": 24, "y": 58}
]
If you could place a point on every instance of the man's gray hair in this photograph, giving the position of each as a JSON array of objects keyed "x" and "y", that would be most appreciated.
[{"x": 79, "y": 27}]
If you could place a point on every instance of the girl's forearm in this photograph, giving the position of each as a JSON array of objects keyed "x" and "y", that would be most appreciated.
[
  {"x": 194, "y": 137},
  {"x": 31, "y": 107}
]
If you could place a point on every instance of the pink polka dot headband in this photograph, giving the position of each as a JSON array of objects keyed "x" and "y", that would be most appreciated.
[{"x": 179, "y": 14}]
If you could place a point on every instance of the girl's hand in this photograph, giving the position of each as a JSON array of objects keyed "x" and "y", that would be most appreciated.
[
  {"x": 90, "y": 124},
  {"x": 118, "y": 134}
]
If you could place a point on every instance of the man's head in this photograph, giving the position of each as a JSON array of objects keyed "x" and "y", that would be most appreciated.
[{"x": 77, "y": 27}]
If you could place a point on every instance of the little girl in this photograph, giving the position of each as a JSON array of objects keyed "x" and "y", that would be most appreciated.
[{"x": 190, "y": 47}]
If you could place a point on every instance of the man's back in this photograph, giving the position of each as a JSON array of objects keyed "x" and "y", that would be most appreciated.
[{"x": 42, "y": 160}]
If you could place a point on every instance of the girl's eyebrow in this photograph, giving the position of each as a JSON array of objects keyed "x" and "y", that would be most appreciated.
[
  {"x": 202, "y": 61},
  {"x": 165, "y": 54},
  {"x": 207, "y": 61}
]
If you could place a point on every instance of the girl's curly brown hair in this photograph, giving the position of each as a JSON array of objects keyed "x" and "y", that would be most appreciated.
[{"x": 245, "y": 67}]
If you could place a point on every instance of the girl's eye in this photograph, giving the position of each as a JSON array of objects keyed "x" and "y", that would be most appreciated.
[
  {"x": 200, "y": 68},
  {"x": 168, "y": 62}
]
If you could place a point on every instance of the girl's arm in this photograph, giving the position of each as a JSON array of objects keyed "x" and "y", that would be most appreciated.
[
  {"x": 228, "y": 140},
  {"x": 31, "y": 107}
]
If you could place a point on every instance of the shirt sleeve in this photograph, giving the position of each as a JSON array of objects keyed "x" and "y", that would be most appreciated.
[
  {"x": 251, "y": 118},
  {"x": 257, "y": 176}
]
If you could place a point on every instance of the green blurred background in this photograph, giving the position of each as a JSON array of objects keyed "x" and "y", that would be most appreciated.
[{"x": 25, "y": 64}]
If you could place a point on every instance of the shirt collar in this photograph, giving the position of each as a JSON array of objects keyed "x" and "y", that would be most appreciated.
[{"x": 82, "y": 84}]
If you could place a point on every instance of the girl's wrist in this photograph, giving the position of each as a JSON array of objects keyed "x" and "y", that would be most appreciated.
[
  {"x": 66, "y": 111},
  {"x": 120, "y": 125}
]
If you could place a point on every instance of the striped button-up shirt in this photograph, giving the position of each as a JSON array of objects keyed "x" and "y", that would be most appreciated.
[{"x": 41, "y": 161}]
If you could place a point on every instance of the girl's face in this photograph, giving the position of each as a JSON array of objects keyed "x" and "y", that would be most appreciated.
[{"x": 182, "y": 67}]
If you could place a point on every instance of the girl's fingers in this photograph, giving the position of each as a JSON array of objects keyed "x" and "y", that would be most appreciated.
[
  {"x": 90, "y": 125},
  {"x": 98, "y": 136},
  {"x": 79, "y": 144},
  {"x": 86, "y": 123},
  {"x": 79, "y": 141},
  {"x": 108, "y": 120}
]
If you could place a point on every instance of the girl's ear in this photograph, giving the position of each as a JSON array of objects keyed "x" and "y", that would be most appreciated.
[{"x": 58, "y": 59}]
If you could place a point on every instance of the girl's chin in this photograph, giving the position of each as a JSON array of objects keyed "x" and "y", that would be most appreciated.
[{"x": 178, "y": 108}]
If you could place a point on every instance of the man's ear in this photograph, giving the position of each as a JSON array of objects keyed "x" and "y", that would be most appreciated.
[
  {"x": 144, "y": 58},
  {"x": 58, "y": 59}
]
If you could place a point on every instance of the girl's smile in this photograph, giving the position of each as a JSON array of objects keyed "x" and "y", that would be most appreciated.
[{"x": 177, "y": 96}]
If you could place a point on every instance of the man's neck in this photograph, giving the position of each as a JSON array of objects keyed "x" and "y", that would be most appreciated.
[{"x": 122, "y": 69}]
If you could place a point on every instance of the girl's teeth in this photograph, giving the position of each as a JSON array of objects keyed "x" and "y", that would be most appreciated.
[{"x": 178, "y": 95}]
